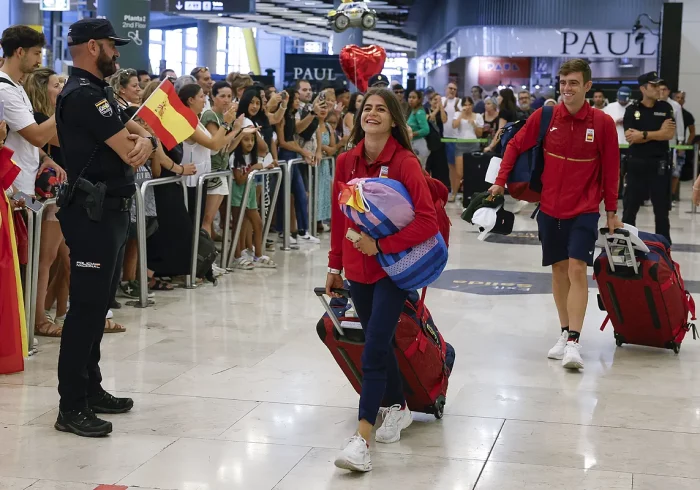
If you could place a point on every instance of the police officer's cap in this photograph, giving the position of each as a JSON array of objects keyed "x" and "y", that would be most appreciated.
[
  {"x": 379, "y": 80},
  {"x": 651, "y": 77},
  {"x": 86, "y": 29}
]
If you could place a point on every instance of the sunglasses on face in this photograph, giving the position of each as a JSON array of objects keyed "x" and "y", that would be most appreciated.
[
  {"x": 399, "y": 92},
  {"x": 199, "y": 70}
]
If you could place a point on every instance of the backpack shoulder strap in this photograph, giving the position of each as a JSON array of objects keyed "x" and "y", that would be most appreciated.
[
  {"x": 5, "y": 80},
  {"x": 545, "y": 122}
]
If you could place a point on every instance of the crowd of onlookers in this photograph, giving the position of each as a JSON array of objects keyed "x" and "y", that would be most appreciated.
[{"x": 243, "y": 126}]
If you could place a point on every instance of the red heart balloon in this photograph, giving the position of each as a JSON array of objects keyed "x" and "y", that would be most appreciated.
[{"x": 361, "y": 64}]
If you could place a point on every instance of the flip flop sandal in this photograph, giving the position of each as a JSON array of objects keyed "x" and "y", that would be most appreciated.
[
  {"x": 113, "y": 327},
  {"x": 48, "y": 329},
  {"x": 244, "y": 264},
  {"x": 159, "y": 285},
  {"x": 265, "y": 262}
]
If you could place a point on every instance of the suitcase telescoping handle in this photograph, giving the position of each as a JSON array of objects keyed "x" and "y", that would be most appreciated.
[
  {"x": 618, "y": 237},
  {"x": 321, "y": 293}
]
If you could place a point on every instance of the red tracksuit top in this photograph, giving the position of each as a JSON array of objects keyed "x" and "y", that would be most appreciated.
[
  {"x": 582, "y": 161},
  {"x": 403, "y": 166}
]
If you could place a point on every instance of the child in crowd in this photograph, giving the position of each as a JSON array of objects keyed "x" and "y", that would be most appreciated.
[{"x": 244, "y": 160}]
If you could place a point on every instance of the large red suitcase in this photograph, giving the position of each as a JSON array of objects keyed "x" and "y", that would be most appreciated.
[
  {"x": 643, "y": 293},
  {"x": 425, "y": 359}
]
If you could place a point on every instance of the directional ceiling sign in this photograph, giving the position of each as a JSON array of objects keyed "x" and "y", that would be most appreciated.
[
  {"x": 55, "y": 5},
  {"x": 204, "y": 6}
]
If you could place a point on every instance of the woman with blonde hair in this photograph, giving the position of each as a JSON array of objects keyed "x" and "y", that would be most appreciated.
[
  {"x": 239, "y": 83},
  {"x": 42, "y": 87},
  {"x": 127, "y": 88}
]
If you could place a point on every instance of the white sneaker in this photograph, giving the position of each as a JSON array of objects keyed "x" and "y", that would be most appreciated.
[
  {"x": 557, "y": 352},
  {"x": 572, "y": 356},
  {"x": 218, "y": 271},
  {"x": 355, "y": 455},
  {"x": 519, "y": 206},
  {"x": 308, "y": 239},
  {"x": 395, "y": 420}
]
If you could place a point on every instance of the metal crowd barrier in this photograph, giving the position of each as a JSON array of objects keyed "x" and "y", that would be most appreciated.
[
  {"x": 225, "y": 174},
  {"x": 314, "y": 176},
  {"x": 141, "y": 233},
  {"x": 28, "y": 273},
  {"x": 35, "y": 250},
  {"x": 249, "y": 185},
  {"x": 287, "y": 196}
]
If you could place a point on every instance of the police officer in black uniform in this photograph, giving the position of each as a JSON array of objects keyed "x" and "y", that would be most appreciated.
[
  {"x": 100, "y": 152},
  {"x": 649, "y": 125}
]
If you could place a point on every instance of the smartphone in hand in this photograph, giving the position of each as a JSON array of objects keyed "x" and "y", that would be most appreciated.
[
  {"x": 352, "y": 235},
  {"x": 28, "y": 201}
]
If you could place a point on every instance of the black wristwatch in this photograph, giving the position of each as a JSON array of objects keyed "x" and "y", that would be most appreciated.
[
  {"x": 645, "y": 134},
  {"x": 154, "y": 142}
]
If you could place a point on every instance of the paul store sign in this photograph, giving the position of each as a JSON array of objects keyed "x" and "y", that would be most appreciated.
[
  {"x": 608, "y": 44},
  {"x": 319, "y": 69}
]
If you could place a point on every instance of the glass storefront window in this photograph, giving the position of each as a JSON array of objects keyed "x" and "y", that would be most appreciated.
[
  {"x": 173, "y": 50},
  {"x": 191, "y": 37},
  {"x": 233, "y": 55},
  {"x": 156, "y": 35},
  {"x": 190, "y": 61}
]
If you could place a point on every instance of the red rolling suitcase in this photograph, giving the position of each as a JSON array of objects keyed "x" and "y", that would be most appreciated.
[
  {"x": 425, "y": 359},
  {"x": 643, "y": 292}
]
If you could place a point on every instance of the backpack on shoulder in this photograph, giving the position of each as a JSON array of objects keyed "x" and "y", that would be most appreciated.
[{"x": 525, "y": 180}]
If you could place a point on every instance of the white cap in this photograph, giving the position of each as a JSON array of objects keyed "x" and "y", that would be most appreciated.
[{"x": 485, "y": 218}]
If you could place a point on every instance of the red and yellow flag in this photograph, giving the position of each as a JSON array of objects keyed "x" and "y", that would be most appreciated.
[
  {"x": 170, "y": 119},
  {"x": 13, "y": 332}
]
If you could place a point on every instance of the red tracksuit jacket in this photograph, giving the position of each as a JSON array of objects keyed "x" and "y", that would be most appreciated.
[
  {"x": 582, "y": 161},
  {"x": 403, "y": 166}
]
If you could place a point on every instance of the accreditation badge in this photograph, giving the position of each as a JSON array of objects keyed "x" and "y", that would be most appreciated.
[
  {"x": 384, "y": 173},
  {"x": 590, "y": 135}
]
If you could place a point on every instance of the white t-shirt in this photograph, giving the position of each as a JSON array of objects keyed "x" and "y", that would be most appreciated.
[
  {"x": 19, "y": 114},
  {"x": 617, "y": 111},
  {"x": 449, "y": 105},
  {"x": 199, "y": 155},
  {"x": 266, "y": 161},
  {"x": 466, "y": 130},
  {"x": 678, "y": 116}
]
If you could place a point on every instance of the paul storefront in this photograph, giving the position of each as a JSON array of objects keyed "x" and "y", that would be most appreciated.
[{"x": 494, "y": 57}]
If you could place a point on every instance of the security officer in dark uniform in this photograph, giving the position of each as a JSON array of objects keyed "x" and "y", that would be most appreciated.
[
  {"x": 649, "y": 125},
  {"x": 100, "y": 153}
]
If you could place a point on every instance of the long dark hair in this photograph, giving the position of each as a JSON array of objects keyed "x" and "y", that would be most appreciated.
[
  {"x": 290, "y": 101},
  {"x": 239, "y": 157},
  {"x": 188, "y": 92},
  {"x": 508, "y": 103},
  {"x": 260, "y": 119},
  {"x": 399, "y": 131},
  {"x": 353, "y": 102}
]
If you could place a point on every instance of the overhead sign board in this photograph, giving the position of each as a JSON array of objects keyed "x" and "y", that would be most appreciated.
[
  {"x": 55, "y": 5},
  {"x": 204, "y": 6}
]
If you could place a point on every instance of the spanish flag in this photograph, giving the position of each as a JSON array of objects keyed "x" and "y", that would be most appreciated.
[
  {"x": 170, "y": 119},
  {"x": 13, "y": 330}
]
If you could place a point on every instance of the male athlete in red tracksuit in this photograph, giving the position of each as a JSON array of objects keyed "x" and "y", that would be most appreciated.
[{"x": 582, "y": 158}]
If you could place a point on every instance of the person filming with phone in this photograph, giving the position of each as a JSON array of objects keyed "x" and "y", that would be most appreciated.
[{"x": 382, "y": 149}]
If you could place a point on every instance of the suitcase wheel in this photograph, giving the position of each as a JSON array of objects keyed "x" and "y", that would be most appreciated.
[
  {"x": 439, "y": 407},
  {"x": 619, "y": 340},
  {"x": 601, "y": 306},
  {"x": 676, "y": 348}
]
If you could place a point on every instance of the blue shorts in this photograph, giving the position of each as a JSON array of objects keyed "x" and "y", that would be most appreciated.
[
  {"x": 564, "y": 239},
  {"x": 450, "y": 149},
  {"x": 678, "y": 167}
]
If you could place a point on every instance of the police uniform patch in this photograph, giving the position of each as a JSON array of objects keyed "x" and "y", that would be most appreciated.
[{"x": 104, "y": 108}]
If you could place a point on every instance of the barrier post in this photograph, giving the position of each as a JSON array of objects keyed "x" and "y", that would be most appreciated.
[
  {"x": 28, "y": 276},
  {"x": 273, "y": 201},
  {"x": 223, "y": 263},
  {"x": 249, "y": 185},
  {"x": 696, "y": 149},
  {"x": 34, "y": 258},
  {"x": 287, "y": 202},
  {"x": 311, "y": 205},
  {"x": 198, "y": 219},
  {"x": 141, "y": 233}
]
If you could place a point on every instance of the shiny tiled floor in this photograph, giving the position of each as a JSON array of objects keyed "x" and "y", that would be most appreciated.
[{"x": 234, "y": 390}]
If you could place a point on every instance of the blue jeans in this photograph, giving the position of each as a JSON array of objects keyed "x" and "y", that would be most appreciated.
[
  {"x": 379, "y": 307},
  {"x": 301, "y": 202}
]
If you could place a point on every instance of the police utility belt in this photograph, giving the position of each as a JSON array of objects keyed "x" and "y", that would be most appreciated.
[
  {"x": 93, "y": 197},
  {"x": 662, "y": 164}
]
